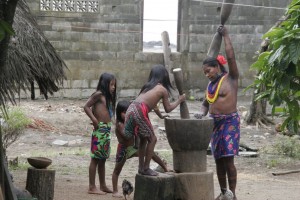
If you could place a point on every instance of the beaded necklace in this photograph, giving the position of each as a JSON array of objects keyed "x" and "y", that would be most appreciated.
[{"x": 213, "y": 88}]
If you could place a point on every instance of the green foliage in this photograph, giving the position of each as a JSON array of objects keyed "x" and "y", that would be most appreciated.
[
  {"x": 13, "y": 123},
  {"x": 15, "y": 118},
  {"x": 279, "y": 68},
  {"x": 5, "y": 28}
]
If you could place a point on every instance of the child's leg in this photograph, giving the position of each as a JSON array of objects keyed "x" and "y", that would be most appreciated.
[
  {"x": 92, "y": 177},
  {"x": 115, "y": 177},
  {"x": 149, "y": 154},
  {"x": 101, "y": 172},
  {"x": 141, "y": 152}
]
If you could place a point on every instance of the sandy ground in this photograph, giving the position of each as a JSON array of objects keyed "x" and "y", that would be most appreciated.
[{"x": 63, "y": 120}]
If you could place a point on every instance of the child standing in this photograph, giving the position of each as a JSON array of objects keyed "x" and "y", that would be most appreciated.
[
  {"x": 126, "y": 147},
  {"x": 137, "y": 122},
  {"x": 100, "y": 108}
]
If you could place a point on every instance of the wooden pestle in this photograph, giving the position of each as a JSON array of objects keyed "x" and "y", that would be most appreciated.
[
  {"x": 178, "y": 77},
  {"x": 215, "y": 45},
  {"x": 226, "y": 10},
  {"x": 216, "y": 42}
]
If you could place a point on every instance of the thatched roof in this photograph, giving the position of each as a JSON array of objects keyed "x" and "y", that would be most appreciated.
[{"x": 30, "y": 57}]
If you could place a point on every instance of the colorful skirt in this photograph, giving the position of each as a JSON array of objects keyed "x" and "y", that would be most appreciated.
[
  {"x": 100, "y": 145},
  {"x": 124, "y": 153},
  {"x": 225, "y": 138},
  {"x": 137, "y": 121}
]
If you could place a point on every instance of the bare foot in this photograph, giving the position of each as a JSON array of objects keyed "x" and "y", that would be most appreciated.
[
  {"x": 95, "y": 191},
  {"x": 169, "y": 170},
  {"x": 149, "y": 172},
  {"x": 117, "y": 195},
  {"x": 106, "y": 189}
]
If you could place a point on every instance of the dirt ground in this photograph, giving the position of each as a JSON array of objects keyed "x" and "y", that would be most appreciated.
[{"x": 61, "y": 132}]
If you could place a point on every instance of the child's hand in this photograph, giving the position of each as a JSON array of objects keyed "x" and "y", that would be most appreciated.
[
  {"x": 95, "y": 125},
  {"x": 164, "y": 116},
  {"x": 182, "y": 98}
]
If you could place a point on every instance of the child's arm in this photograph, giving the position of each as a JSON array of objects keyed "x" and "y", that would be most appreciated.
[
  {"x": 121, "y": 135},
  {"x": 158, "y": 113},
  {"x": 171, "y": 106},
  {"x": 88, "y": 108}
]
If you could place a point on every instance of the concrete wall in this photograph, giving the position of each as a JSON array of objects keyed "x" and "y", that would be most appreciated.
[{"x": 109, "y": 39}]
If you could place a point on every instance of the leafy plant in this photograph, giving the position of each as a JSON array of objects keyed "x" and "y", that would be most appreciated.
[
  {"x": 13, "y": 122},
  {"x": 279, "y": 68},
  {"x": 288, "y": 146},
  {"x": 5, "y": 28}
]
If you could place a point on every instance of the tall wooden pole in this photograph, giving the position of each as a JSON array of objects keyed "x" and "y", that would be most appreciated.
[{"x": 184, "y": 111}]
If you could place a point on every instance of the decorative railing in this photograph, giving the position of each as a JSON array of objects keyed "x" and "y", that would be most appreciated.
[{"x": 90, "y": 6}]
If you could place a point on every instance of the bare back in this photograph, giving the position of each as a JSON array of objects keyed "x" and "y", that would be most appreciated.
[{"x": 153, "y": 96}]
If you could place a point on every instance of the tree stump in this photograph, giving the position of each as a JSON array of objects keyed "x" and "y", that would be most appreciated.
[
  {"x": 194, "y": 186},
  {"x": 40, "y": 183},
  {"x": 154, "y": 187}
]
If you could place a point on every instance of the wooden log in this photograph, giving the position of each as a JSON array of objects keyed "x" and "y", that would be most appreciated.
[
  {"x": 40, "y": 183},
  {"x": 154, "y": 187},
  {"x": 284, "y": 173}
]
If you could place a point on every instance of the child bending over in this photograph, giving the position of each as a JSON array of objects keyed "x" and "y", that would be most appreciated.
[
  {"x": 126, "y": 148},
  {"x": 137, "y": 122}
]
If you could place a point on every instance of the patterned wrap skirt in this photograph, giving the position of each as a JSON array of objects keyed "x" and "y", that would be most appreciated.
[
  {"x": 124, "y": 153},
  {"x": 137, "y": 122},
  {"x": 225, "y": 138},
  {"x": 100, "y": 144}
]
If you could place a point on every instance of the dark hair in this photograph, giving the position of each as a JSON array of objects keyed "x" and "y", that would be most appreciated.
[
  {"x": 158, "y": 74},
  {"x": 213, "y": 62},
  {"x": 103, "y": 86},
  {"x": 122, "y": 106}
]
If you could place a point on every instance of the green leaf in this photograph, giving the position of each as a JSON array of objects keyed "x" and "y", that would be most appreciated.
[
  {"x": 262, "y": 95},
  {"x": 293, "y": 8},
  {"x": 7, "y": 27},
  {"x": 297, "y": 94},
  {"x": 258, "y": 65},
  {"x": 276, "y": 55},
  {"x": 274, "y": 32},
  {"x": 294, "y": 51},
  {"x": 279, "y": 109}
]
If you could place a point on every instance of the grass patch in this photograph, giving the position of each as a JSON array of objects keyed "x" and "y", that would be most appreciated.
[{"x": 288, "y": 146}]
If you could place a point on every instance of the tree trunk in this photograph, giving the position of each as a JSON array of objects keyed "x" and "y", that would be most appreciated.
[
  {"x": 40, "y": 183},
  {"x": 154, "y": 187}
]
